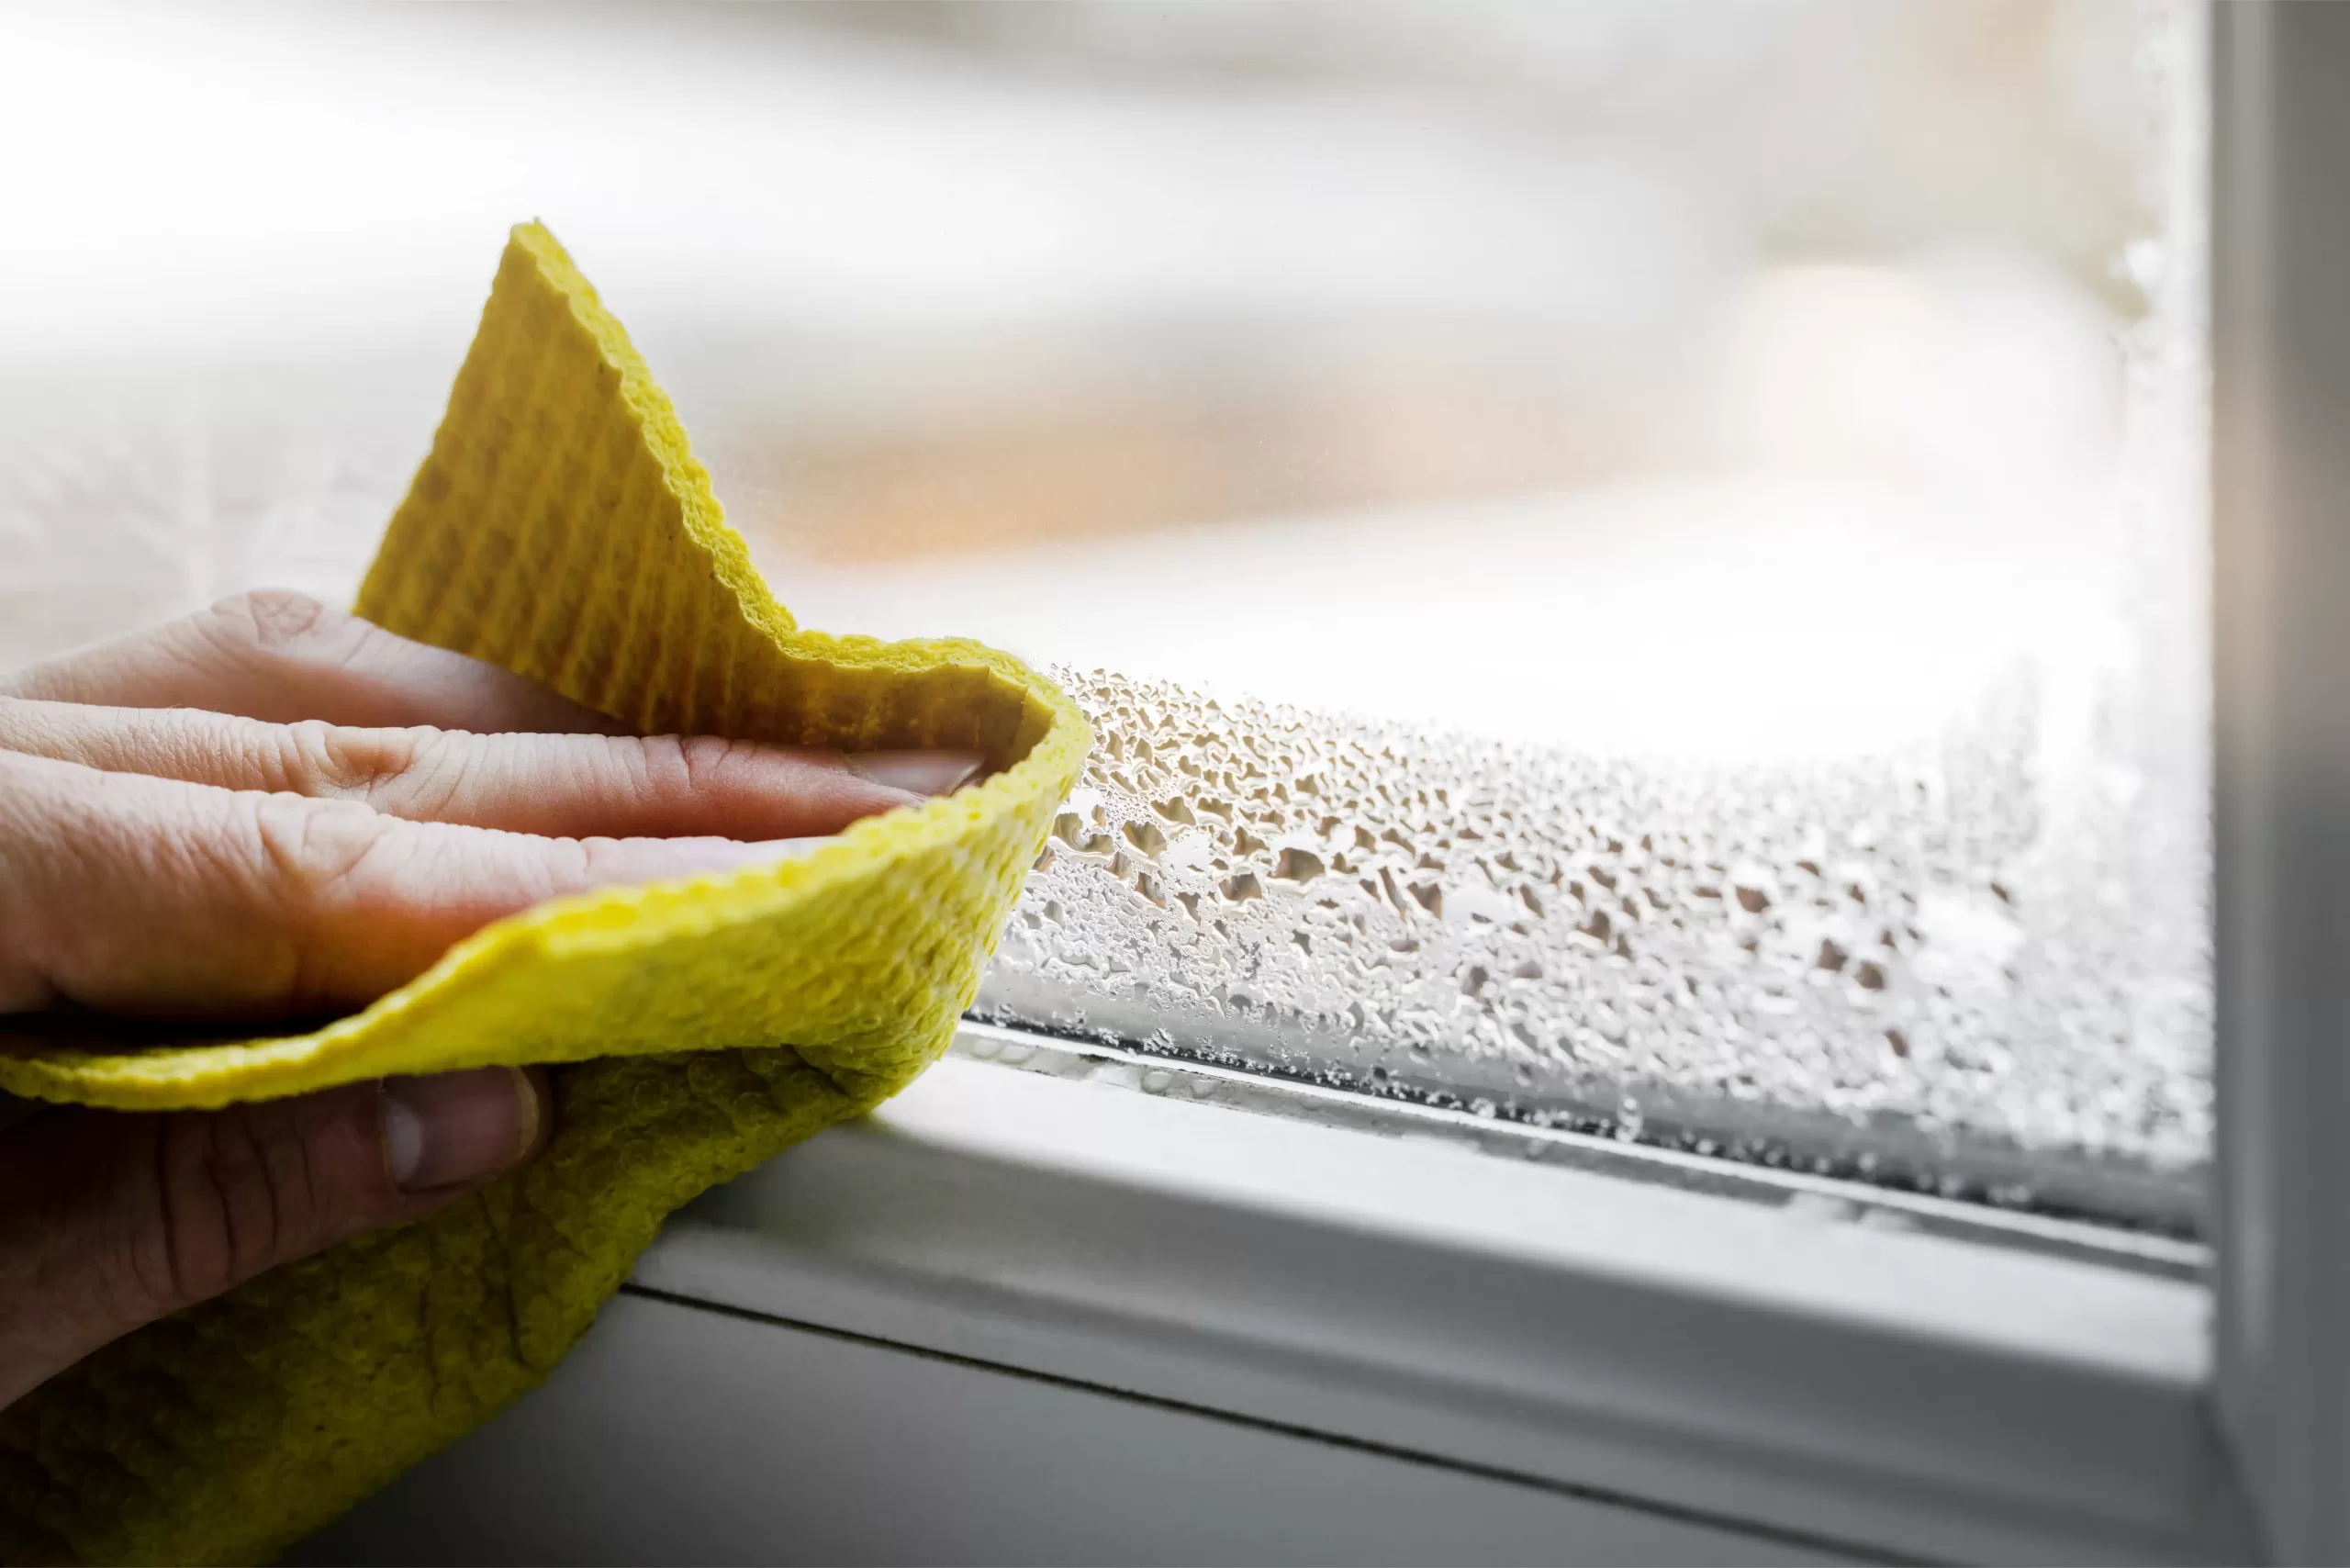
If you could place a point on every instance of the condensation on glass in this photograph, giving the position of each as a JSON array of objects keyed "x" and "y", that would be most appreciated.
[
  {"x": 1637, "y": 567},
  {"x": 1976, "y": 962}
]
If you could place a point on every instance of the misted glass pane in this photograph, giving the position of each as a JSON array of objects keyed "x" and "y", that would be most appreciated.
[{"x": 1638, "y": 565}]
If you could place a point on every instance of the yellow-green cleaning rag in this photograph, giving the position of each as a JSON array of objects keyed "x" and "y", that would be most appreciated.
[{"x": 560, "y": 528}]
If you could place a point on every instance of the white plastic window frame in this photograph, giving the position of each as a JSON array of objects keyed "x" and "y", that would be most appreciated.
[
  {"x": 1845, "y": 1373},
  {"x": 2282, "y": 537}
]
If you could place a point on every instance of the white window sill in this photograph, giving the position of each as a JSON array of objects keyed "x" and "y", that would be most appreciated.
[{"x": 1763, "y": 1366}]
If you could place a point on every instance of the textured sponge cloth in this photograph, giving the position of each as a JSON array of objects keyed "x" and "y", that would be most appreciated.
[{"x": 560, "y": 529}]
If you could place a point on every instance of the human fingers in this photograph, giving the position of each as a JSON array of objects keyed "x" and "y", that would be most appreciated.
[
  {"x": 276, "y": 655},
  {"x": 560, "y": 785},
  {"x": 156, "y": 896},
  {"x": 109, "y": 1220}
]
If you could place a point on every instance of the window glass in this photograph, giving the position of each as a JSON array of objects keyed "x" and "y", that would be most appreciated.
[{"x": 1638, "y": 566}]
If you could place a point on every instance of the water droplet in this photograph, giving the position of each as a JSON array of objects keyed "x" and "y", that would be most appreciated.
[{"x": 1298, "y": 865}]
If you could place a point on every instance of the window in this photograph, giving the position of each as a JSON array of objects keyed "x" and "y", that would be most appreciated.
[
  {"x": 1633, "y": 576},
  {"x": 1748, "y": 476}
]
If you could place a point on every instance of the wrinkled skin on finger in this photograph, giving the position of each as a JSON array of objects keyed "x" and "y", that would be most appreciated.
[{"x": 272, "y": 808}]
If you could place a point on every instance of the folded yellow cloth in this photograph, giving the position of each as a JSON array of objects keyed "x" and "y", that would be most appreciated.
[{"x": 560, "y": 529}]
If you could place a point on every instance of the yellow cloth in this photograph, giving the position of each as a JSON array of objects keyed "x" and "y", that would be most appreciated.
[{"x": 560, "y": 529}]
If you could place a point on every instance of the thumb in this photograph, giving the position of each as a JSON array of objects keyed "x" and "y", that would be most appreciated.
[{"x": 111, "y": 1220}]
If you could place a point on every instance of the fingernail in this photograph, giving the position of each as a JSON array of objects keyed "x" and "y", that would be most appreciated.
[
  {"x": 454, "y": 1128},
  {"x": 916, "y": 772}
]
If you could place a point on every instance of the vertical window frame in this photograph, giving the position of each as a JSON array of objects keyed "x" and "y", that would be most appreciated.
[{"x": 2282, "y": 621}]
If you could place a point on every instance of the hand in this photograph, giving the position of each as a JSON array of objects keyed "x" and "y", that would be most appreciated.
[{"x": 273, "y": 810}]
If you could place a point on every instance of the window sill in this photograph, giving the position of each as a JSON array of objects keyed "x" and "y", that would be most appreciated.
[{"x": 1768, "y": 1366}]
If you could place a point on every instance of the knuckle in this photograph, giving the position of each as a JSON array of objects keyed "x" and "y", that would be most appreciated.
[
  {"x": 664, "y": 763},
  {"x": 572, "y": 864},
  {"x": 424, "y": 772},
  {"x": 270, "y": 618},
  {"x": 340, "y": 894},
  {"x": 241, "y": 1194},
  {"x": 641, "y": 769},
  {"x": 273, "y": 627},
  {"x": 313, "y": 848},
  {"x": 226, "y": 1208},
  {"x": 332, "y": 761},
  {"x": 702, "y": 761}
]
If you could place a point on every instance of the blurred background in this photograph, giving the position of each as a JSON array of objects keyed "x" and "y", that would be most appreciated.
[
  {"x": 1788, "y": 383},
  {"x": 1226, "y": 341}
]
